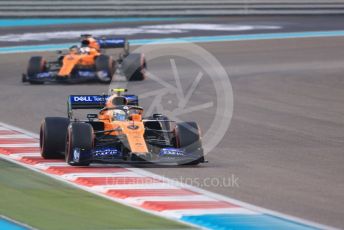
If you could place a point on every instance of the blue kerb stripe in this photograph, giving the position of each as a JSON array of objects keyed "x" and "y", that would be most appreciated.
[
  {"x": 66, "y": 21},
  {"x": 246, "y": 37},
  {"x": 8, "y": 225},
  {"x": 245, "y": 222}
]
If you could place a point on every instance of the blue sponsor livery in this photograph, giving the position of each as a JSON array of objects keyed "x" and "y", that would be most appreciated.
[
  {"x": 87, "y": 74},
  {"x": 106, "y": 153},
  {"x": 43, "y": 75},
  {"x": 171, "y": 152},
  {"x": 111, "y": 43}
]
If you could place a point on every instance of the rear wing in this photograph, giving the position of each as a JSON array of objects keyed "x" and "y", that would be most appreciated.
[
  {"x": 94, "y": 102},
  {"x": 110, "y": 43}
]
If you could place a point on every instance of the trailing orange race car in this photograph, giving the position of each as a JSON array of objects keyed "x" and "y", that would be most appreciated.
[
  {"x": 87, "y": 63},
  {"x": 118, "y": 133}
]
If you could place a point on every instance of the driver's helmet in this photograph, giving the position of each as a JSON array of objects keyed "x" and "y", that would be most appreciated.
[
  {"x": 93, "y": 44},
  {"x": 119, "y": 115},
  {"x": 85, "y": 50},
  {"x": 73, "y": 49},
  {"x": 89, "y": 41},
  {"x": 85, "y": 42}
]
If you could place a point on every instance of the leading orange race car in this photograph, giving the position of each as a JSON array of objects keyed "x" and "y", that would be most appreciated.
[{"x": 118, "y": 133}]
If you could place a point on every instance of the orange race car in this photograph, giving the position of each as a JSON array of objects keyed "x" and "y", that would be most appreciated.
[
  {"x": 118, "y": 133},
  {"x": 88, "y": 63}
]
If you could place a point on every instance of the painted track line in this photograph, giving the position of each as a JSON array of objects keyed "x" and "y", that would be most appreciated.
[
  {"x": 154, "y": 194},
  {"x": 199, "y": 39}
]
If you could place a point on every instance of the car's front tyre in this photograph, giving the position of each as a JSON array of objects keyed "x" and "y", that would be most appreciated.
[
  {"x": 37, "y": 65},
  {"x": 52, "y": 137},
  {"x": 79, "y": 144}
]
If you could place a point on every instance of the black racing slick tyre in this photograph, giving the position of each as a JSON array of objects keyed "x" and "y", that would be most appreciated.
[
  {"x": 134, "y": 67},
  {"x": 52, "y": 137},
  {"x": 105, "y": 68},
  {"x": 187, "y": 136},
  {"x": 79, "y": 141},
  {"x": 36, "y": 65}
]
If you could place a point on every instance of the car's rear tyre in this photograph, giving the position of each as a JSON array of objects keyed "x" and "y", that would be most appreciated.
[
  {"x": 79, "y": 137},
  {"x": 36, "y": 65},
  {"x": 187, "y": 136},
  {"x": 53, "y": 134},
  {"x": 105, "y": 68},
  {"x": 134, "y": 67}
]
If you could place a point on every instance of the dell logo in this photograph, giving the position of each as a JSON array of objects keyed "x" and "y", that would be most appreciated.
[{"x": 83, "y": 98}]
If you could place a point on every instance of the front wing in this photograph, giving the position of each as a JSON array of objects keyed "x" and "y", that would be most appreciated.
[
  {"x": 52, "y": 76},
  {"x": 115, "y": 156}
]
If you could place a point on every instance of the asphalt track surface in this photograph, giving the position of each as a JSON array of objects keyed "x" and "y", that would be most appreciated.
[{"x": 285, "y": 142}]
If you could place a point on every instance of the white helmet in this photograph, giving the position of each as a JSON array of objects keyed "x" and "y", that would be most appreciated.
[
  {"x": 119, "y": 115},
  {"x": 85, "y": 50}
]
